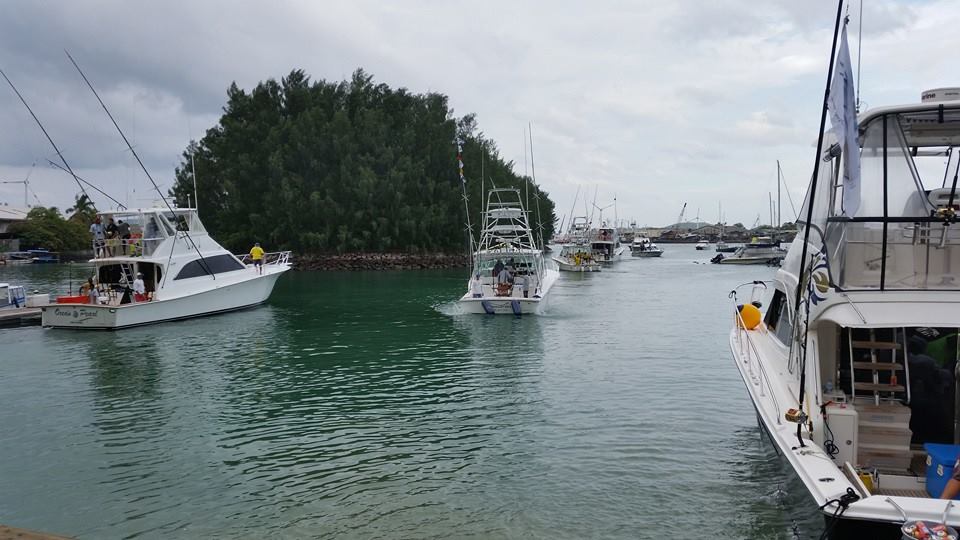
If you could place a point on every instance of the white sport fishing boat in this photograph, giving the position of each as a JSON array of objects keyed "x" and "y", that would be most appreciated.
[
  {"x": 853, "y": 369},
  {"x": 185, "y": 273},
  {"x": 576, "y": 255},
  {"x": 507, "y": 243},
  {"x": 605, "y": 245},
  {"x": 643, "y": 247},
  {"x": 760, "y": 250}
]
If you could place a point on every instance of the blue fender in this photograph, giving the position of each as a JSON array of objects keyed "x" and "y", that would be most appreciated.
[
  {"x": 487, "y": 307},
  {"x": 515, "y": 304}
]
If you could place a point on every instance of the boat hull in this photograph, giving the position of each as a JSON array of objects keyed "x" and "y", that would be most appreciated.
[
  {"x": 230, "y": 297},
  {"x": 638, "y": 253},
  {"x": 515, "y": 304},
  {"x": 569, "y": 267},
  {"x": 769, "y": 261}
]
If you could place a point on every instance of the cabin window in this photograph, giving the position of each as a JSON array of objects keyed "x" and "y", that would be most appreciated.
[
  {"x": 217, "y": 264},
  {"x": 779, "y": 317}
]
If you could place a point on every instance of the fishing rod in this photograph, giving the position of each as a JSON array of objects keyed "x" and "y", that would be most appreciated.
[
  {"x": 186, "y": 234},
  {"x": 47, "y": 135},
  {"x": 813, "y": 192},
  {"x": 80, "y": 178}
]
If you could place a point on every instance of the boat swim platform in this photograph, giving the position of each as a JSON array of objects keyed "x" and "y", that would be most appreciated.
[
  {"x": 13, "y": 533},
  {"x": 19, "y": 317}
]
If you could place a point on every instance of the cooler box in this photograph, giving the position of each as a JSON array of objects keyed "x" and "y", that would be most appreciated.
[{"x": 940, "y": 461}]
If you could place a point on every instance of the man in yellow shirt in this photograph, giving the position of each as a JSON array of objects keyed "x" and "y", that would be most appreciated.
[{"x": 256, "y": 253}]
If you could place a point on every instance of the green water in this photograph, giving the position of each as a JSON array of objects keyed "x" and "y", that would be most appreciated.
[{"x": 360, "y": 405}]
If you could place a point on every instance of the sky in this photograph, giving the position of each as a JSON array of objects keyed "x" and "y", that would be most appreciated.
[{"x": 654, "y": 104}]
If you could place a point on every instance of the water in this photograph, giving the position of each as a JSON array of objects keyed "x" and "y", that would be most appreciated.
[{"x": 359, "y": 405}]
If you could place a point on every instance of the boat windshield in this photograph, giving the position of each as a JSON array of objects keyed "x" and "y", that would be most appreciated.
[
  {"x": 899, "y": 237},
  {"x": 517, "y": 264}
]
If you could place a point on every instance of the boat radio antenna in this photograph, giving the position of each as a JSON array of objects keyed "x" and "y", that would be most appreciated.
[
  {"x": 47, "y": 135},
  {"x": 186, "y": 234}
]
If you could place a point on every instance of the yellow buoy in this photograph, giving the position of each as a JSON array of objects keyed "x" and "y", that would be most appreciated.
[{"x": 749, "y": 317}]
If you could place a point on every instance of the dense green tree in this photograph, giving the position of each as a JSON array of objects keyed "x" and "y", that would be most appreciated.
[
  {"x": 45, "y": 228},
  {"x": 342, "y": 167}
]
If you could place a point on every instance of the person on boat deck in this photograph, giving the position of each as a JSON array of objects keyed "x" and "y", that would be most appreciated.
[
  {"x": 256, "y": 253},
  {"x": 123, "y": 231},
  {"x": 524, "y": 281},
  {"x": 96, "y": 230},
  {"x": 111, "y": 231},
  {"x": 476, "y": 287},
  {"x": 497, "y": 268},
  {"x": 504, "y": 276},
  {"x": 139, "y": 289}
]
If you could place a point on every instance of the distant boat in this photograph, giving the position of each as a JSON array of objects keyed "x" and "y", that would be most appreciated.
[
  {"x": 760, "y": 250},
  {"x": 643, "y": 247},
  {"x": 605, "y": 245},
  {"x": 576, "y": 255},
  {"x": 702, "y": 245},
  {"x": 722, "y": 247},
  {"x": 506, "y": 242},
  {"x": 43, "y": 256}
]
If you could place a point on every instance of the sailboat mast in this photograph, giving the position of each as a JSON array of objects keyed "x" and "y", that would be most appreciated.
[{"x": 779, "y": 215}]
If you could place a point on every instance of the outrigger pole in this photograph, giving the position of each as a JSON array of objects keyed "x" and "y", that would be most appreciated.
[
  {"x": 466, "y": 200},
  {"x": 813, "y": 191},
  {"x": 186, "y": 234},
  {"x": 47, "y": 135},
  {"x": 80, "y": 178}
]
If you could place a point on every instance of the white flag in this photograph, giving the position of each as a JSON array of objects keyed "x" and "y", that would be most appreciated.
[{"x": 843, "y": 118}]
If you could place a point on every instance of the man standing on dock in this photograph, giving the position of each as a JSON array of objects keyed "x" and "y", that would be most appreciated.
[{"x": 256, "y": 253}]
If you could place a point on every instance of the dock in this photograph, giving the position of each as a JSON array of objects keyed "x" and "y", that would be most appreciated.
[
  {"x": 19, "y": 317},
  {"x": 13, "y": 533}
]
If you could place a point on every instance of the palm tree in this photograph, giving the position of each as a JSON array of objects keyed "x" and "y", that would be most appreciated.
[{"x": 83, "y": 209}]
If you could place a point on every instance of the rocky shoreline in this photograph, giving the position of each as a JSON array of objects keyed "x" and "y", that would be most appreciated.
[{"x": 378, "y": 261}]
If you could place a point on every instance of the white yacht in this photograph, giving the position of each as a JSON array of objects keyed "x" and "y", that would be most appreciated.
[
  {"x": 760, "y": 250},
  {"x": 643, "y": 247},
  {"x": 702, "y": 245},
  {"x": 185, "y": 273},
  {"x": 507, "y": 242},
  {"x": 855, "y": 377},
  {"x": 605, "y": 245},
  {"x": 575, "y": 255}
]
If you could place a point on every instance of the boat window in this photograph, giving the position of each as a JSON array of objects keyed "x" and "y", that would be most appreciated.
[
  {"x": 779, "y": 318},
  {"x": 216, "y": 264}
]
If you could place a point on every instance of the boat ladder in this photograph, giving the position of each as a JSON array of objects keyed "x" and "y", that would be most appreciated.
[{"x": 887, "y": 374}]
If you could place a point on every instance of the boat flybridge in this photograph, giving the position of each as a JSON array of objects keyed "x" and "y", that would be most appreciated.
[
  {"x": 858, "y": 388},
  {"x": 606, "y": 246},
  {"x": 509, "y": 274},
  {"x": 185, "y": 273},
  {"x": 643, "y": 247},
  {"x": 576, "y": 255}
]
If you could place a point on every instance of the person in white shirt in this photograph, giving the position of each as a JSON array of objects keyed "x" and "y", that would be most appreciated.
[
  {"x": 476, "y": 287},
  {"x": 139, "y": 289}
]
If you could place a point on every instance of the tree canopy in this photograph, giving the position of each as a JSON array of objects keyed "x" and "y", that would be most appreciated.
[
  {"x": 350, "y": 166},
  {"x": 45, "y": 228}
]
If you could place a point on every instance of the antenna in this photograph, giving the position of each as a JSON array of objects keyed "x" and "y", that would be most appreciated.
[{"x": 859, "y": 49}]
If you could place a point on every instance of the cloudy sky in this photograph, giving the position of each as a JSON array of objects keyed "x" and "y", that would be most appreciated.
[{"x": 656, "y": 103}]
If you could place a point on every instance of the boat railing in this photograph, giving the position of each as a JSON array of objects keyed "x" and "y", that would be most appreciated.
[
  {"x": 748, "y": 351},
  {"x": 269, "y": 259},
  {"x": 135, "y": 246}
]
